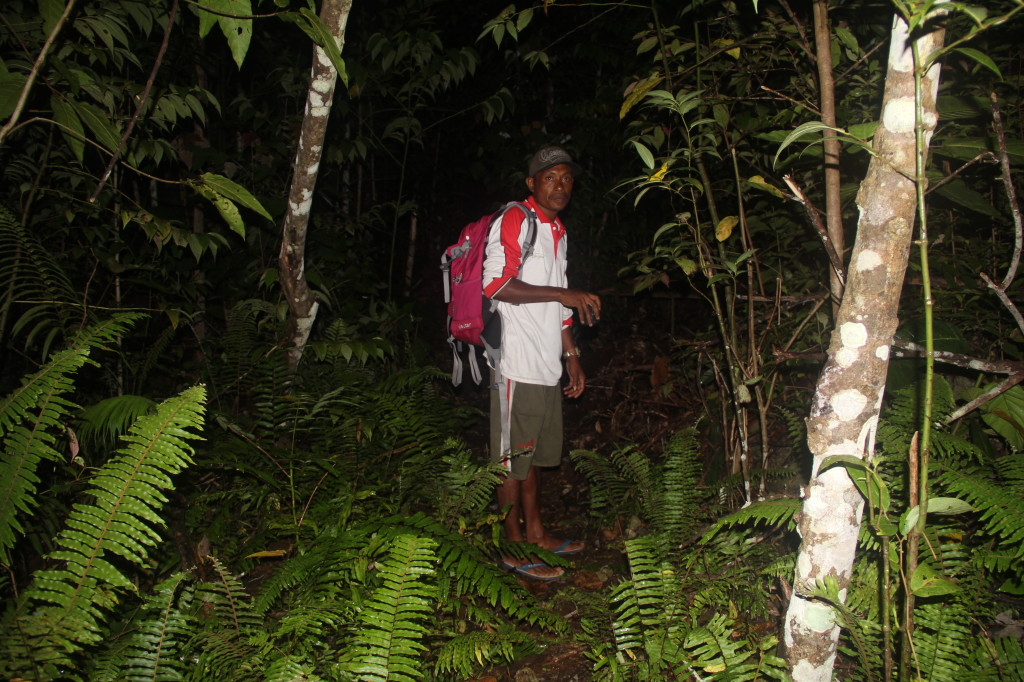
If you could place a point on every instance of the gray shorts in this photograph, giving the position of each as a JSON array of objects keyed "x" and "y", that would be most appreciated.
[{"x": 535, "y": 426}]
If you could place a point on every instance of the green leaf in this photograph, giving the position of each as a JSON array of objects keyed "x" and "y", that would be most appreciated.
[
  {"x": 957, "y": 191},
  {"x": 802, "y": 131},
  {"x": 645, "y": 154},
  {"x": 50, "y": 11},
  {"x": 686, "y": 265},
  {"x": 207, "y": 18},
  {"x": 232, "y": 190},
  {"x": 316, "y": 29},
  {"x": 948, "y": 505},
  {"x": 927, "y": 582},
  {"x": 238, "y": 31},
  {"x": 640, "y": 89},
  {"x": 227, "y": 209},
  {"x": 523, "y": 20},
  {"x": 1004, "y": 414},
  {"x": 10, "y": 89},
  {"x": 98, "y": 122},
  {"x": 868, "y": 482},
  {"x": 71, "y": 126},
  {"x": 982, "y": 59}
]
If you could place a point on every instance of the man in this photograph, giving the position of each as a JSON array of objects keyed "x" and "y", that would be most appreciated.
[{"x": 536, "y": 318}]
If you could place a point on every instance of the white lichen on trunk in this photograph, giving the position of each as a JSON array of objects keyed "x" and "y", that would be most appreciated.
[
  {"x": 305, "y": 170},
  {"x": 844, "y": 414}
]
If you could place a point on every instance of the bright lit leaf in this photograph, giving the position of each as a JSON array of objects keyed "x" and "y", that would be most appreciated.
[{"x": 725, "y": 227}]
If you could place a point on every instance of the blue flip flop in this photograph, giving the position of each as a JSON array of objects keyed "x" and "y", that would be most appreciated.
[
  {"x": 562, "y": 551},
  {"x": 525, "y": 569}
]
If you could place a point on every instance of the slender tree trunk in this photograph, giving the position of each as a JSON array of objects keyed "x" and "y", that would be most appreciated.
[
  {"x": 844, "y": 413},
  {"x": 292, "y": 259},
  {"x": 831, "y": 146}
]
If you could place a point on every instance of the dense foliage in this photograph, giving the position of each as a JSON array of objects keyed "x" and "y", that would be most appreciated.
[{"x": 176, "y": 504}]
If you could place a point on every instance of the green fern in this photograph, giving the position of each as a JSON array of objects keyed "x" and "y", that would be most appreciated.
[
  {"x": 37, "y": 293},
  {"x": 776, "y": 513},
  {"x": 656, "y": 637},
  {"x": 100, "y": 425},
  {"x": 153, "y": 649},
  {"x": 681, "y": 494},
  {"x": 1000, "y": 658},
  {"x": 1001, "y": 513},
  {"x": 395, "y": 619},
  {"x": 463, "y": 654},
  {"x": 941, "y": 636},
  {"x": 221, "y": 649},
  {"x": 63, "y": 609},
  {"x": 31, "y": 418},
  {"x": 667, "y": 494}
]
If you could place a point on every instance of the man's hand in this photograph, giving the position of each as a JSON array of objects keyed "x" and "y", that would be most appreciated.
[
  {"x": 587, "y": 305},
  {"x": 577, "y": 380}
]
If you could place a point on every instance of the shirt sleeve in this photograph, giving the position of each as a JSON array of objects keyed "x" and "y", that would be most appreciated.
[
  {"x": 566, "y": 312},
  {"x": 504, "y": 251}
]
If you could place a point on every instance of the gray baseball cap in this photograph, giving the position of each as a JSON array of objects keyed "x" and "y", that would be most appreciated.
[{"x": 552, "y": 156}]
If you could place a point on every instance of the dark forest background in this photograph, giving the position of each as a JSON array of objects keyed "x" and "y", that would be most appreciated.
[{"x": 178, "y": 500}]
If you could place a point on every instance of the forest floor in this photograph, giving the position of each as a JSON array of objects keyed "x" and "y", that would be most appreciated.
[{"x": 628, "y": 399}]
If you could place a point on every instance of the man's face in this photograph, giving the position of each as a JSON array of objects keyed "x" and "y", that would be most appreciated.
[{"x": 552, "y": 189}]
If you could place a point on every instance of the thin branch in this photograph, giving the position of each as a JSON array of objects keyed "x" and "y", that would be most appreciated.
[
  {"x": 1011, "y": 195},
  {"x": 1001, "y": 293},
  {"x": 143, "y": 98},
  {"x": 36, "y": 68},
  {"x": 984, "y": 156},
  {"x": 906, "y": 349},
  {"x": 802, "y": 105},
  {"x": 1008, "y": 383},
  {"x": 815, "y": 215}
]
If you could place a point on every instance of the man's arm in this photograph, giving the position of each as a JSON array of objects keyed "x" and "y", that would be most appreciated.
[
  {"x": 577, "y": 380},
  {"x": 587, "y": 305}
]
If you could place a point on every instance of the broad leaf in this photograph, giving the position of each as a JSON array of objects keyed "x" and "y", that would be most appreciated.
[
  {"x": 235, "y": 192},
  {"x": 70, "y": 125},
  {"x": 982, "y": 59}
]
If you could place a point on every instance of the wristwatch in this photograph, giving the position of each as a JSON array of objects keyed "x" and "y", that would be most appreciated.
[{"x": 574, "y": 353}]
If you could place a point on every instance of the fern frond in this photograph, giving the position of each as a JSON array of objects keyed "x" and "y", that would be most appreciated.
[
  {"x": 63, "y": 608},
  {"x": 463, "y": 654},
  {"x": 36, "y": 290},
  {"x": 681, "y": 500},
  {"x": 470, "y": 573},
  {"x": 714, "y": 648},
  {"x": 394, "y": 620},
  {"x": 287, "y": 669},
  {"x": 221, "y": 650},
  {"x": 153, "y": 650},
  {"x": 103, "y": 423},
  {"x": 1002, "y": 511},
  {"x": 941, "y": 636},
  {"x": 647, "y": 611},
  {"x": 609, "y": 491},
  {"x": 33, "y": 415},
  {"x": 1000, "y": 659},
  {"x": 775, "y": 513},
  {"x": 464, "y": 488}
]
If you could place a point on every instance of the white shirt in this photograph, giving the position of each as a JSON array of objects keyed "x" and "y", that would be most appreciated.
[{"x": 531, "y": 333}]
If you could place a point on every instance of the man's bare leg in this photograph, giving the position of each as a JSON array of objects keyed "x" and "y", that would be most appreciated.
[{"x": 522, "y": 495}]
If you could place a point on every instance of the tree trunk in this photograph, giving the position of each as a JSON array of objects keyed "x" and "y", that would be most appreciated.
[
  {"x": 830, "y": 145},
  {"x": 292, "y": 259},
  {"x": 844, "y": 413}
]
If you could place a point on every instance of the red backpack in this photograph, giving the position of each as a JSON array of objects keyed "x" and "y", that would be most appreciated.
[{"x": 472, "y": 318}]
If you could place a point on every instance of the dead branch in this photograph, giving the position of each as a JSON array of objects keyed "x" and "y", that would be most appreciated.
[{"x": 815, "y": 215}]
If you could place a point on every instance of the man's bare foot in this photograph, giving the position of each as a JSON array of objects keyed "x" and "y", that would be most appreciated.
[
  {"x": 534, "y": 570},
  {"x": 560, "y": 547}
]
